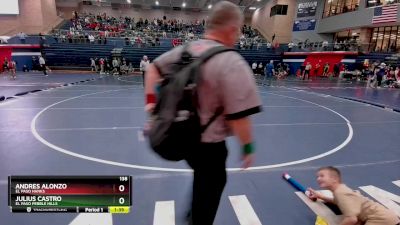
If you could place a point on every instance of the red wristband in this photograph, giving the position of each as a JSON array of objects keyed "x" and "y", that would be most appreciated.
[{"x": 151, "y": 99}]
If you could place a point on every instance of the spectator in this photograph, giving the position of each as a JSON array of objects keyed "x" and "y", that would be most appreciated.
[
  {"x": 22, "y": 37},
  {"x": 260, "y": 68},
  {"x": 91, "y": 39},
  {"x": 336, "y": 69},
  {"x": 259, "y": 45},
  {"x": 101, "y": 62},
  {"x": 5, "y": 65},
  {"x": 326, "y": 70},
  {"x": 268, "y": 46},
  {"x": 397, "y": 76},
  {"x": 93, "y": 65},
  {"x": 269, "y": 72},
  {"x": 325, "y": 45},
  {"x": 254, "y": 67},
  {"x": 307, "y": 70},
  {"x": 42, "y": 64},
  {"x": 143, "y": 66},
  {"x": 316, "y": 68},
  {"x": 115, "y": 65},
  {"x": 25, "y": 68},
  {"x": 290, "y": 46}
]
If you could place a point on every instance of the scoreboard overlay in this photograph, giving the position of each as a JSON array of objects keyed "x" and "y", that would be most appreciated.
[{"x": 62, "y": 194}]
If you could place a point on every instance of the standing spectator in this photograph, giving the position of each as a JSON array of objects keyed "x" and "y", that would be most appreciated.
[
  {"x": 42, "y": 64},
  {"x": 316, "y": 69},
  {"x": 307, "y": 70},
  {"x": 93, "y": 65},
  {"x": 101, "y": 62},
  {"x": 336, "y": 69},
  {"x": 260, "y": 68},
  {"x": 380, "y": 73},
  {"x": 269, "y": 72},
  {"x": 12, "y": 65},
  {"x": 230, "y": 87},
  {"x": 5, "y": 65},
  {"x": 326, "y": 70},
  {"x": 143, "y": 67}
]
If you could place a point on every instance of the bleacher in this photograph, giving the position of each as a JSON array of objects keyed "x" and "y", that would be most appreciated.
[
  {"x": 62, "y": 55},
  {"x": 77, "y": 56}
]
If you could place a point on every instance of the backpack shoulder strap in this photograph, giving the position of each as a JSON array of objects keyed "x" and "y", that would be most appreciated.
[
  {"x": 214, "y": 51},
  {"x": 203, "y": 58}
]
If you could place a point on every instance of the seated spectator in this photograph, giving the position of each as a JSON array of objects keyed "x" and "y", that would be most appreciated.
[
  {"x": 91, "y": 39},
  {"x": 25, "y": 68},
  {"x": 254, "y": 67},
  {"x": 260, "y": 68},
  {"x": 389, "y": 79},
  {"x": 22, "y": 37},
  {"x": 124, "y": 68}
]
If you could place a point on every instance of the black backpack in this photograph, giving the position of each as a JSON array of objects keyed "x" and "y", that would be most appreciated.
[{"x": 176, "y": 129}]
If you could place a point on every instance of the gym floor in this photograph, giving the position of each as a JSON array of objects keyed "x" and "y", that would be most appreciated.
[{"x": 94, "y": 128}]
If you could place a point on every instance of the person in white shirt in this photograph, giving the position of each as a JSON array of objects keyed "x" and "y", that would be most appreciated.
[
  {"x": 22, "y": 37},
  {"x": 290, "y": 46},
  {"x": 254, "y": 67},
  {"x": 325, "y": 45},
  {"x": 269, "y": 46},
  {"x": 42, "y": 64},
  {"x": 143, "y": 65},
  {"x": 91, "y": 39},
  {"x": 93, "y": 64},
  {"x": 115, "y": 65}
]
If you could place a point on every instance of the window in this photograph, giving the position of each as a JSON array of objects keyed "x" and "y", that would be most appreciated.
[
  {"x": 278, "y": 10},
  {"x": 385, "y": 39},
  {"x": 335, "y": 7},
  {"x": 372, "y": 3}
]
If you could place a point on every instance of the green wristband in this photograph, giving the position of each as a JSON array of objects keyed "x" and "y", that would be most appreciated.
[{"x": 248, "y": 148}]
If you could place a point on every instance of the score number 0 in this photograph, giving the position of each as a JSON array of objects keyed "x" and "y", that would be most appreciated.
[{"x": 121, "y": 188}]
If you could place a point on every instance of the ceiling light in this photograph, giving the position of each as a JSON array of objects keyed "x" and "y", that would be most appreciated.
[
  {"x": 209, "y": 6},
  {"x": 184, "y": 4},
  {"x": 258, "y": 0},
  {"x": 252, "y": 8},
  {"x": 128, "y": 1},
  {"x": 157, "y": 3}
]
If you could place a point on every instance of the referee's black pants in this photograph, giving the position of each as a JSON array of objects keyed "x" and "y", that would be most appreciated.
[{"x": 209, "y": 165}]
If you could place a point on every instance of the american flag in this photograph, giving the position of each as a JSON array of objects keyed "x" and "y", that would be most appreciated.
[{"x": 385, "y": 14}]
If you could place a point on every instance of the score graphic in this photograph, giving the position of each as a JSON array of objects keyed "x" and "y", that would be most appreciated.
[{"x": 89, "y": 194}]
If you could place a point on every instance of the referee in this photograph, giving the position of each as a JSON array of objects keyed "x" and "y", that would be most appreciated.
[{"x": 226, "y": 81}]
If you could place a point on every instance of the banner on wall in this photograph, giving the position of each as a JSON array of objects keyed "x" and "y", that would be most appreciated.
[
  {"x": 303, "y": 25},
  {"x": 306, "y": 9}
]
